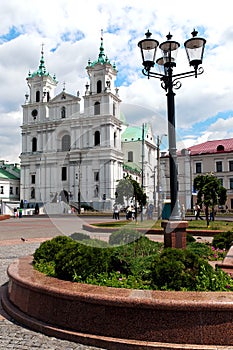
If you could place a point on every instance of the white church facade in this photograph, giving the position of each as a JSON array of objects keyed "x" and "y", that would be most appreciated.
[
  {"x": 74, "y": 157},
  {"x": 68, "y": 155}
]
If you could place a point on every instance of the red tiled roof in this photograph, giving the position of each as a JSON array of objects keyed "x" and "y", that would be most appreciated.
[{"x": 216, "y": 146}]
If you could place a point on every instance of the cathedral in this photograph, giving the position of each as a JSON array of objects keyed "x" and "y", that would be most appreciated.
[{"x": 69, "y": 156}]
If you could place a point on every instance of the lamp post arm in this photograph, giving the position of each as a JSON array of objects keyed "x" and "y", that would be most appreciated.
[
  {"x": 152, "y": 74},
  {"x": 194, "y": 73}
]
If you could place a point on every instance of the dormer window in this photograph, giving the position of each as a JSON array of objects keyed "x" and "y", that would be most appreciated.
[{"x": 220, "y": 148}]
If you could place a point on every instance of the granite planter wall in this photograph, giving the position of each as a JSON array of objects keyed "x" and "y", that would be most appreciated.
[{"x": 118, "y": 318}]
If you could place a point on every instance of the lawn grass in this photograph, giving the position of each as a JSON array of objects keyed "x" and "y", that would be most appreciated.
[{"x": 192, "y": 224}]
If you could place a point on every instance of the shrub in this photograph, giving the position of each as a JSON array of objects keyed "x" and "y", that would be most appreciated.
[
  {"x": 124, "y": 236},
  {"x": 79, "y": 236},
  {"x": 223, "y": 240},
  {"x": 48, "y": 249},
  {"x": 176, "y": 269},
  {"x": 190, "y": 238},
  {"x": 142, "y": 264},
  {"x": 82, "y": 261}
]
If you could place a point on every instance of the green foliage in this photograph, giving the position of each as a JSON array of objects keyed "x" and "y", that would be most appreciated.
[
  {"x": 210, "y": 191},
  {"x": 79, "y": 236},
  {"x": 129, "y": 188},
  {"x": 176, "y": 269},
  {"x": 223, "y": 240},
  {"x": 48, "y": 249},
  {"x": 81, "y": 260},
  {"x": 124, "y": 236},
  {"x": 190, "y": 238},
  {"x": 213, "y": 280},
  {"x": 140, "y": 264},
  {"x": 207, "y": 252},
  {"x": 134, "y": 257}
]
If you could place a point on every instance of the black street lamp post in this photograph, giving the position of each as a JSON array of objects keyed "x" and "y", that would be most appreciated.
[{"x": 194, "y": 49}]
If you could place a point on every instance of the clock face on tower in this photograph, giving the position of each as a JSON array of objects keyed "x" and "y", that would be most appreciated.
[{"x": 34, "y": 113}]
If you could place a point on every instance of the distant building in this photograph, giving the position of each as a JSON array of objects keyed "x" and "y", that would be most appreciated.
[
  {"x": 208, "y": 157},
  {"x": 9, "y": 186},
  {"x": 139, "y": 149}
]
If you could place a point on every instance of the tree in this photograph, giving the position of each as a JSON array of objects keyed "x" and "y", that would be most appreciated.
[
  {"x": 129, "y": 188},
  {"x": 210, "y": 193}
]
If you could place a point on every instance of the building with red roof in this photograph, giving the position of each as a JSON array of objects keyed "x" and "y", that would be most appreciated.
[{"x": 208, "y": 157}]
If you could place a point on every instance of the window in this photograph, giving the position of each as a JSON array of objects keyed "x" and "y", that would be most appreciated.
[
  {"x": 65, "y": 143},
  {"x": 96, "y": 108},
  {"x": 221, "y": 181},
  {"x": 32, "y": 192},
  {"x": 11, "y": 190},
  {"x": 16, "y": 191},
  {"x": 220, "y": 148},
  {"x": 130, "y": 156},
  {"x": 2, "y": 190},
  {"x": 219, "y": 166},
  {"x": 34, "y": 144},
  {"x": 99, "y": 86},
  {"x": 114, "y": 108},
  {"x": 33, "y": 179},
  {"x": 198, "y": 168},
  {"x": 230, "y": 165},
  {"x": 63, "y": 112},
  {"x": 38, "y": 96},
  {"x": 96, "y": 176},
  {"x": 96, "y": 191},
  {"x": 115, "y": 138},
  {"x": 231, "y": 183},
  {"x": 64, "y": 173},
  {"x": 97, "y": 138}
]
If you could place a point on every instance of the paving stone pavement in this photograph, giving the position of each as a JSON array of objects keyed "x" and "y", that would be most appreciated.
[{"x": 13, "y": 335}]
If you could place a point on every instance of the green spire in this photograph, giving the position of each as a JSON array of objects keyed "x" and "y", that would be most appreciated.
[
  {"x": 101, "y": 58},
  {"x": 42, "y": 69}
]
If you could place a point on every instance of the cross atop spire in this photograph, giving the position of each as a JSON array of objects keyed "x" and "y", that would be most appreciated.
[{"x": 101, "y": 57}]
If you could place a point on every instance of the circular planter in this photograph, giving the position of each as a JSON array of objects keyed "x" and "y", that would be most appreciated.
[{"x": 115, "y": 318}]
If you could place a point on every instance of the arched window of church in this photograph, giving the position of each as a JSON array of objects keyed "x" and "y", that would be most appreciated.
[
  {"x": 34, "y": 144},
  {"x": 38, "y": 96},
  {"x": 130, "y": 156},
  {"x": 115, "y": 138},
  {"x": 63, "y": 112},
  {"x": 97, "y": 138},
  {"x": 114, "y": 109},
  {"x": 96, "y": 108},
  {"x": 65, "y": 143},
  {"x": 48, "y": 97},
  {"x": 99, "y": 86}
]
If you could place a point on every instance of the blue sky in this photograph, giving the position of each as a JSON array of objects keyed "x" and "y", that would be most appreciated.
[{"x": 71, "y": 36}]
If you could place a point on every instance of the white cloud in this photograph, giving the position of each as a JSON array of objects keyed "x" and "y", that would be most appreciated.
[{"x": 71, "y": 34}]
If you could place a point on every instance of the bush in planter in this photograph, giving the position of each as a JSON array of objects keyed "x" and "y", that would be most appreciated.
[
  {"x": 223, "y": 240},
  {"x": 81, "y": 260},
  {"x": 124, "y": 236},
  {"x": 48, "y": 249},
  {"x": 79, "y": 236},
  {"x": 140, "y": 264},
  {"x": 134, "y": 257},
  {"x": 177, "y": 269}
]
